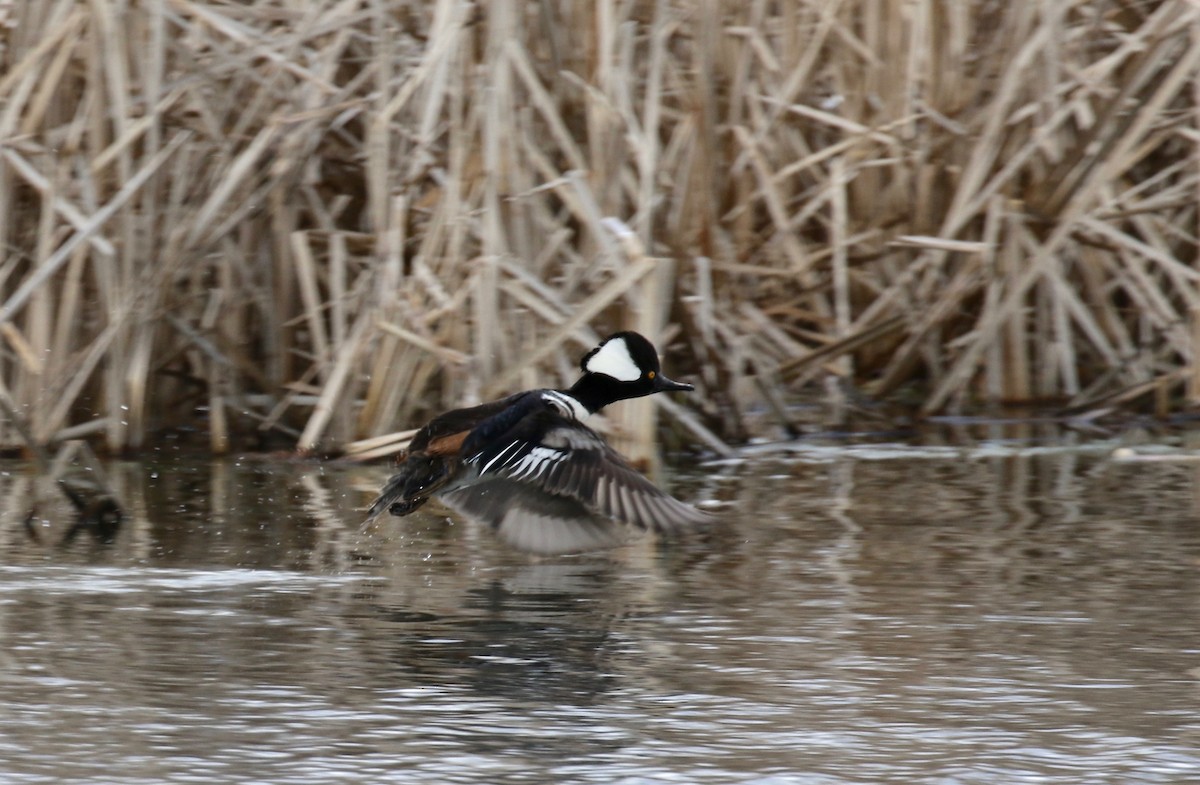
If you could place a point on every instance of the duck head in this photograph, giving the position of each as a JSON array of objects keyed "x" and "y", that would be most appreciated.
[{"x": 624, "y": 365}]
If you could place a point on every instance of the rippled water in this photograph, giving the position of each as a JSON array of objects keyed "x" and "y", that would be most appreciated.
[{"x": 991, "y": 615}]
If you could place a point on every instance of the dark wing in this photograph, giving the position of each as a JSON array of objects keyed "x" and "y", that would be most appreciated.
[
  {"x": 567, "y": 459},
  {"x": 459, "y": 420},
  {"x": 533, "y": 520}
]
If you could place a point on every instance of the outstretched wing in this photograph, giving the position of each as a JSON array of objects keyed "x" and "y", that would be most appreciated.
[
  {"x": 567, "y": 459},
  {"x": 532, "y": 520}
]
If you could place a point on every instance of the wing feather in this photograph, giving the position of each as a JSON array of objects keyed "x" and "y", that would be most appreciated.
[
  {"x": 532, "y": 520},
  {"x": 566, "y": 458}
]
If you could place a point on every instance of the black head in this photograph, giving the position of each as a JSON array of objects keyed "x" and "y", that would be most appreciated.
[{"x": 624, "y": 365}]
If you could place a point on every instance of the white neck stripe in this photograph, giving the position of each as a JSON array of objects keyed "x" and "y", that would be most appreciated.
[{"x": 567, "y": 404}]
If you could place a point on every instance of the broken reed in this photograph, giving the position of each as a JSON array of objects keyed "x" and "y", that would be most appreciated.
[{"x": 326, "y": 220}]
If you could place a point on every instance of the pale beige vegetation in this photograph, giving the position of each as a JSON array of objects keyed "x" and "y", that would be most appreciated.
[{"x": 327, "y": 219}]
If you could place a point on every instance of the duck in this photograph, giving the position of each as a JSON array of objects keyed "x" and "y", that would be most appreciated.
[{"x": 528, "y": 466}]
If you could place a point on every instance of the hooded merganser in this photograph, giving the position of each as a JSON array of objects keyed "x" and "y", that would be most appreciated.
[{"x": 527, "y": 465}]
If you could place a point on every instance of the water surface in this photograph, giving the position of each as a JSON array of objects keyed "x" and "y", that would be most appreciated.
[{"x": 994, "y": 614}]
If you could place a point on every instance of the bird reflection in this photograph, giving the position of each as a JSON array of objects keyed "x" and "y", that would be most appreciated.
[
  {"x": 98, "y": 515},
  {"x": 520, "y": 637},
  {"x": 100, "y": 518}
]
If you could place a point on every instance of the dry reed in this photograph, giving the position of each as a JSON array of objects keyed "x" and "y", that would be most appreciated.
[{"x": 323, "y": 221}]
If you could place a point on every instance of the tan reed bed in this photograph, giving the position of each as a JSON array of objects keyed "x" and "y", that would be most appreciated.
[{"x": 326, "y": 220}]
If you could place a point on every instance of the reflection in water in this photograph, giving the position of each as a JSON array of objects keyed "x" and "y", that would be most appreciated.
[
  {"x": 865, "y": 615},
  {"x": 521, "y": 637}
]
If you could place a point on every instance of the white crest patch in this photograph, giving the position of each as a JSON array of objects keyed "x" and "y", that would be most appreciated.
[{"x": 613, "y": 359}]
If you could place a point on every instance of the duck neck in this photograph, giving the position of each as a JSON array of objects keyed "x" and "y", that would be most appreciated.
[{"x": 595, "y": 392}]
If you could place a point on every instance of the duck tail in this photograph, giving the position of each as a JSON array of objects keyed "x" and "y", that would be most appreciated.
[{"x": 411, "y": 487}]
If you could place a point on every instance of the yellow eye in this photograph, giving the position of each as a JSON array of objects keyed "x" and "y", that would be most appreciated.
[{"x": 650, "y": 375}]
